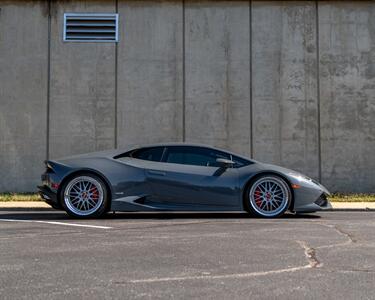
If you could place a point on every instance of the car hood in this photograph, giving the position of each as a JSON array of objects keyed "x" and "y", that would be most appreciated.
[
  {"x": 293, "y": 176},
  {"x": 279, "y": 169}
]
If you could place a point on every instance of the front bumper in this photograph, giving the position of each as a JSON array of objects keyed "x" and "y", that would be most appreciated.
[
  {"x": 310, "y": 196},
  {"x": 321, "y": 203}
]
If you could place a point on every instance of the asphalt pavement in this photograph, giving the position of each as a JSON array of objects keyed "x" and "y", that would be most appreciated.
[{"x": 47, "y": 255}]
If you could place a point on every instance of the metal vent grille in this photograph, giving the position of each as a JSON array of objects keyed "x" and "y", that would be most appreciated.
[{"x": 90, "y": 27}]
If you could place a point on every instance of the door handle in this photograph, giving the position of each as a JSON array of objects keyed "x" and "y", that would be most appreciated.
[{"x": 158, "y": 173}]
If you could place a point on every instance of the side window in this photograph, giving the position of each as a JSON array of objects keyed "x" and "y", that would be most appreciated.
[
  {"x": 239, "y": 162},
  {"x": 152, "y": 154},
  {"x": 195, "y": 156}
]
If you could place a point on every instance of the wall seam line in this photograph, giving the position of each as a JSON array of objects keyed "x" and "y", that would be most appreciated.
[
  {"x": 48, "y": 81},
  {"x": 116, "y": 80},
  {"x": 183, "y": 75},
  {"x": 251, "y": 78},
  {"x": 318, "y": 90}
]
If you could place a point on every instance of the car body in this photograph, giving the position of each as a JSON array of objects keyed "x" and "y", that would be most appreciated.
[{"x": 176, "y": 177}]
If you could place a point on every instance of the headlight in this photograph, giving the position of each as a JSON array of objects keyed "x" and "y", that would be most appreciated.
[
  {"x": 312, "y": 183},
  {"x": 301, "y": 178}
]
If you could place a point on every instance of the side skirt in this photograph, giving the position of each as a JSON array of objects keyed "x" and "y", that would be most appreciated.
[{"x": 140, "y": 203}]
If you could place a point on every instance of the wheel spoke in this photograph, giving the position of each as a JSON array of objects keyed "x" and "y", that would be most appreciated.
[
  {"x": 75, "y": 189},
  {"x": 89, "y": 186},
  {"x": 91, "y": 203},
  {"x": 75, "y": 200}
]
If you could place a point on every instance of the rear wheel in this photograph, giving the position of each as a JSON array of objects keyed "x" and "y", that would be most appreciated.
[
  {"x": 84, "y": 196},
  {"x": 269, "y": 196}
]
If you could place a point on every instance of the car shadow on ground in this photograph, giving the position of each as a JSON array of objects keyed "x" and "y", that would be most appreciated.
[
  {"x": 198, "y": 215},
  {"x": 53, "y": 216}
]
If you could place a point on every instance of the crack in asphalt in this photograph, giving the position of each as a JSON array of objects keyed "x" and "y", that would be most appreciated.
[
  {"x": 210, "y": 277},
  {"x": 350, "y": 237},
  {"x": 310, "y": 254},
  {"x": 308, "y": 251}
]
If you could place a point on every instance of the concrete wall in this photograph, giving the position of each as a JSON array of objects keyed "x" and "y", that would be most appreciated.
[
  {"x": 23, "y": 93},
  {"x": 82, "y": 86},
  {"x": 347, "y": 94},
  {"x": 150, "y": 77},
  {"x": 285, "y": 96},
  {"x": 217, "y": 77},
  {"x": 287, "y": 82}
]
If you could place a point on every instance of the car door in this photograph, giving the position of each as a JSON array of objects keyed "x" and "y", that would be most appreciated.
[
  {"x": 190, "y": 176},
  {"x": 133, "y": 181}
]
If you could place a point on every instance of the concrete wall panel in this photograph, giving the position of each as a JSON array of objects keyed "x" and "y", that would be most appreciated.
[
  {"x": 150, "y": 72},
  {"x": 82, "y": 103},
  {"x": 165, "y": 92},
  {"x": 23, "y": 93},
  {"x": 284, "y": 73},
  {"x": 347, "y": 85},
  {"x": 217, "y": 84}
]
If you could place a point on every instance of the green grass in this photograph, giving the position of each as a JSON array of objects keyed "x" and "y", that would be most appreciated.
[
  {"x": 334, "y": 198},
  {"x": 352, "y": 197},
  {"x": 7, "y": 197}
]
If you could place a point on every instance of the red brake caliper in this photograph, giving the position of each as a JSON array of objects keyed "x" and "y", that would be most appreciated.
[
  {"x": 258, "y": 198},
  {"x": 95, "y": 193}
]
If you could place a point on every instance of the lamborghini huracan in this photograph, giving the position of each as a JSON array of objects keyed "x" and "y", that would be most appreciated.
[{"x": 176, "y": 177}]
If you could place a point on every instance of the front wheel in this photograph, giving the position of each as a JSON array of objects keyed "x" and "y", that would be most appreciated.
[
  {"x": 84, "y": 196},
  {"x": 268, "y": 196}
]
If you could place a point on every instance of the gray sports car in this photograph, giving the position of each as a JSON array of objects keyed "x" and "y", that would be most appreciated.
[{"x": 176, "y": 177}]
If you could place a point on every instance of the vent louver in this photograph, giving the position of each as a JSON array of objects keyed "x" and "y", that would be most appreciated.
[{"x": 90, "y": 27}]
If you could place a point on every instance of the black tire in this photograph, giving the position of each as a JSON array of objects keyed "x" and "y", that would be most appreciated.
[
  {"x": 268, "y": 196},
  {"x": 89, "y": 202}
]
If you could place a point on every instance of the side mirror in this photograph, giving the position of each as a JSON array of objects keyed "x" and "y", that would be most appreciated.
[{"x": 225, "y": 163}]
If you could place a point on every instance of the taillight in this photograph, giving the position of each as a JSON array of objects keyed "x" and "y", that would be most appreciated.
[{"x": 49, "y": 168}]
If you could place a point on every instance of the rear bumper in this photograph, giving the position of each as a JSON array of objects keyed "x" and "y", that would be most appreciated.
[{"x": 49, "y": 196}]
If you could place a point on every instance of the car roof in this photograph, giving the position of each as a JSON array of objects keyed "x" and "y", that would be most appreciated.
[{"x": 118, "y": 152}]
